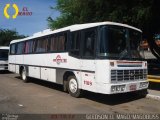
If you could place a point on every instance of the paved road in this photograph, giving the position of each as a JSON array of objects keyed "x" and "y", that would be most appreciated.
[{"x": 39, "y": 97}]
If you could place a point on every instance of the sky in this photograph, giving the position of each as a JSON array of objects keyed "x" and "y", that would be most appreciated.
[{"x": 28, "y": 25}]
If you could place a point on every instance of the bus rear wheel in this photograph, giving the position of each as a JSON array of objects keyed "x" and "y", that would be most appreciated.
[
  {"x": 24, "y": 75},
  {"x": 73, "y": 89}
]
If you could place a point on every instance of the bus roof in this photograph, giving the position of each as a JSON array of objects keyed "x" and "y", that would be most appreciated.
[
  {"x": 71, "y": 28},
  {"x": 4, "y": 47}
]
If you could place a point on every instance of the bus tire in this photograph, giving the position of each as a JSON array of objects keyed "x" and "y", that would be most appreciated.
[
  {"x": 24, "y": 75},
  {"x": 65, "y": 86},
  {"x": 73, "y": 89}
]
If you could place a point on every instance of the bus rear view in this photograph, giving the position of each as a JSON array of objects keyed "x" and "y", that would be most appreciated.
[{"x": 4, "y": 58}]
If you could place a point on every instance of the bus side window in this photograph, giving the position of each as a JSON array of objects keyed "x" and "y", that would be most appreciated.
[
  {"x": 89, "y": 40},
  {"x": 58, "y": 42},
  {"x": 20, "y": 48},
  {"x": 53, "y": 43},
  {"x": 29, "y": 46},
  {"x": 26, "y": 47},
  {"x": 42, "y": 44},
  {"x": 62, "y": 40},
  {"x": 75, "y": 43},
  {"x": 12, "y": 49}
]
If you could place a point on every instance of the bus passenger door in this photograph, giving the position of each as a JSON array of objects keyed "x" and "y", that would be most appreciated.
[{"x": 88, "y": 64}]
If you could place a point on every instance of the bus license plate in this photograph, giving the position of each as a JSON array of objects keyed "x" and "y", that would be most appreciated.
[{"x": 132, "y": 87}]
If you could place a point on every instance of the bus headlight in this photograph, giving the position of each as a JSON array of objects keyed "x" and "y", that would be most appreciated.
[
  {"x": 143, "y": 85},
  {"x": 117, "y": 88}
]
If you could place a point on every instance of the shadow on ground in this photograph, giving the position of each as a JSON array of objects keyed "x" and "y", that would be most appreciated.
[
  {"x": 44, "y": 83},
  {"x": 154, "y": 86},
  {"x": 101, "y": 98},
  {"x": 113, "y": 99}
]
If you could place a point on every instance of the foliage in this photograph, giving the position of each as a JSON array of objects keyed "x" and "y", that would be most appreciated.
[
  {"x": 133, "y": 12},
  {"x": 7, "y": 35}
]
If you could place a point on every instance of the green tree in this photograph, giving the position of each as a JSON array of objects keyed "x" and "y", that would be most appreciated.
[
  {"x": 133, "y": 12},
  {"x": 143, "y": 14},
  {"x": 8, "y": 35}
]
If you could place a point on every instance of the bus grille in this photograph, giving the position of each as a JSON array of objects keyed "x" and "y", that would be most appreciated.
[{"x": 128, "y": 75}]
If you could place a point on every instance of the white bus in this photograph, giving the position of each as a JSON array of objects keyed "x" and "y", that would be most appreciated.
[
  {"x": 4, "y": 57},
  {"x": 102, "y": 57}
]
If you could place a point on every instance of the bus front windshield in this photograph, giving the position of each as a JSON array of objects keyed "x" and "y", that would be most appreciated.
[
  {"x": 3, "y": 54},
  {"x": 120, "y": 43}
]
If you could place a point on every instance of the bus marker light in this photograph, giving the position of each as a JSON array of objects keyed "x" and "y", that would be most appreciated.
[
  {"x": 143, "y": 85},
  {"x": 112, "y": 64}
]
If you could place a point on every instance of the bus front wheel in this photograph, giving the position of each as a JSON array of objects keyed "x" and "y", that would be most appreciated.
[
  {"x": 73, "y": 89},
  {"x": 24, "y": 75}
]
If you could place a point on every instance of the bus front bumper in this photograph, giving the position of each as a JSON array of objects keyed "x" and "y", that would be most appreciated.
[
  {"x": 129, "y": 87},
  {"x": 122, "y": 87}
]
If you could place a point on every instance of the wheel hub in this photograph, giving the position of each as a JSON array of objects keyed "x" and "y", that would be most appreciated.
[
  {"x": 73, "y": 85},
  {"x": 23, "y": 75}
]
